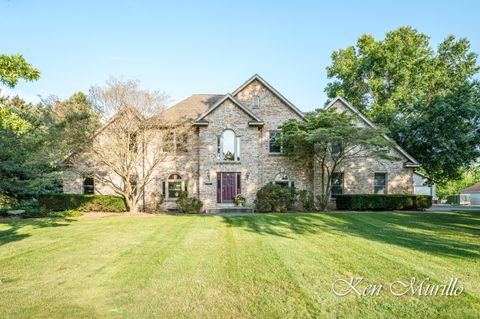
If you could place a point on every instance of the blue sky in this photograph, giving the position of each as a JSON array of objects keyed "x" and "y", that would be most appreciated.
[{"x": 186, "y": 47}]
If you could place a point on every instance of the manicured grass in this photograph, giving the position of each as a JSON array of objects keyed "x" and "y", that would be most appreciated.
[{"x": 268, "y": 266}]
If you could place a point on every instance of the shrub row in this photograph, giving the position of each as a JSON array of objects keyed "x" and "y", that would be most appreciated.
[
  {"x": 383, "y": 202},
  {"x": 82, "y": 203}
]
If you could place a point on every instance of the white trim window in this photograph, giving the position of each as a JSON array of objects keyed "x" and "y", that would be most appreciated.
[
  {"x": 283, "y": 180},
  {"x": 272, "y": 138},
  {"x": 228, "y": 146},
  {"x": 173, "y": 186}
]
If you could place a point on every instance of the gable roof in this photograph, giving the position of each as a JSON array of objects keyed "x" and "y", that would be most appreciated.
[
  {"x": 131, "y": 110},
  {"x": 201, "y": 120},
  {"x": 258, "y": 78},
  {"x": 471, "y": 189},
  {"x": 424, "y": 176},
  {"x": 191, "y": 107},
  {"x": 115, "y": 117},
  {"x": 412, "y": 162}
]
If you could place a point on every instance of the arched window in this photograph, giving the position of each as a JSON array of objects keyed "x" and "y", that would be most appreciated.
[
  {"x": 173, "y": 186},
  {"x": 283, "y": 180},
  {"x": 89, "y": 185},
  {"x": 228, "y": 146}
]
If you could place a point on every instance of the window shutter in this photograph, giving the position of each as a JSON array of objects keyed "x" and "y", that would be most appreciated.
[{"x": 164, "y": 191}]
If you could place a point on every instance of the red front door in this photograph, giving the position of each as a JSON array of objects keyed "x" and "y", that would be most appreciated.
[{"x": 227, "y": 188}]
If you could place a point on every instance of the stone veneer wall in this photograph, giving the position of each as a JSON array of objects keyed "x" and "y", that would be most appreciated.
[
  {"x": 184, "y": 164},
  {"x": 359, "y": 174},
  {"x": 256, "y": 160},
  {"x": 274, "y": 112},
  {"x": 228, "y": 116},
  {"x": 72, "y": 182}
]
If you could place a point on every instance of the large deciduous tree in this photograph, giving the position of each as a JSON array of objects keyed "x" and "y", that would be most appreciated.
[
  {"x": 400, "y": 82},
  {"x": 135, "y": 140},
  {"x": 330, "y": 140},
  {"x": 453, "y": 186},
  {"x": 14, "y": 67}
]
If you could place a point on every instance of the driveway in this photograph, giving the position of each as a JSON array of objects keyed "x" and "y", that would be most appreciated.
[{"x": 450, "y": 208}]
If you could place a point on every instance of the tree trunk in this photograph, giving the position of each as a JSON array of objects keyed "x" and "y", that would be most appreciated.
[
  {"x": 131, "y": 205},
  {"x": 323, "y": 196}
]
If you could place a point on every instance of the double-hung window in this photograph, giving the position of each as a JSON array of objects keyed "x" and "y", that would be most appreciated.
[
  {"x": 173, "y": 186},
  {"x": 273, "y": 145},
  {"x": 380, "y": 183}
]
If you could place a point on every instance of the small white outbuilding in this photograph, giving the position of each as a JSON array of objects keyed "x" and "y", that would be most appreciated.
[{"x": 473, "y": 192}]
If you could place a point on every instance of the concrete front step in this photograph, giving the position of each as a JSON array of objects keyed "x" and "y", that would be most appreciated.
[{"x": 230, "y": 210}]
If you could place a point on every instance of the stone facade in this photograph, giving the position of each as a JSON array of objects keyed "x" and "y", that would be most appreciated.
[{"x": 252, "y": 112}]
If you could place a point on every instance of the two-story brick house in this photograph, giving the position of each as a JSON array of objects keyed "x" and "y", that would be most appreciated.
[{"x": 235, "y": 153}]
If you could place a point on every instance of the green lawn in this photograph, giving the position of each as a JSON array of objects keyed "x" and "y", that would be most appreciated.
[{"x": 267, "y": 266}]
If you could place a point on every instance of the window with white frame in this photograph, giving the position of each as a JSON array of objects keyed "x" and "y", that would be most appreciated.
[
  {"x": 228, "y": 146},
  {"x": 283, "y": 180},
  {"x": 380, "y": 183},
  {"x": 273, "y": 145},
  {"x": 173, "y": 186}
]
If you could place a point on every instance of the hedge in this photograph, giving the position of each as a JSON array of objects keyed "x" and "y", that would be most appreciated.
[
  {"x": 83, "y": 203},
  {"x": 383, "y": 202}
]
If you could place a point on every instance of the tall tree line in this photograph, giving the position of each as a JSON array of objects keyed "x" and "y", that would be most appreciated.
[{"x": 429, "y": 99}]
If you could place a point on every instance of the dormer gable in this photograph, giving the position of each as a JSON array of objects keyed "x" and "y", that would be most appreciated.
[
  {"x": 271, "y": 89},
  {"x": 342, "y": 104},
  {"x": 202, "y": 120}
]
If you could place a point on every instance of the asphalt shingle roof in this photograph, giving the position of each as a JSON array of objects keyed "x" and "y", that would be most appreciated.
[
  {"x": 191, "y": 107},
  {"x": 471, "y": 189}
]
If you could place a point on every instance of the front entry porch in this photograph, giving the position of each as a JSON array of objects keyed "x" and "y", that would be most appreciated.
[{"x": 229, "y": 184}]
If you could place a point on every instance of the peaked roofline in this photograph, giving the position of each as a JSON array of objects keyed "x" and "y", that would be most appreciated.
[
  {"x": 135, "y": 112},
  {"x": 116, "y": 116},
  {"x": 414, "y": 163},
  {"x": 424, "y": 176},
  {"x": 228, "y": 96},
  {"x": 271, "y": 88},
  {"x": 475, "y": 188}
]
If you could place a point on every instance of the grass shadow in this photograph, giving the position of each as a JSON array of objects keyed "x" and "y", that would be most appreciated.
[
  {"x": 447, "y": 234},
  {"x": 14, "y": 232}
]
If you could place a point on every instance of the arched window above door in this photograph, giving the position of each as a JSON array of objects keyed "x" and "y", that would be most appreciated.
[{"x": 228, "y": 146}]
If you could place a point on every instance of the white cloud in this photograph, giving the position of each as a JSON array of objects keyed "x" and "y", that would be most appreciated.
[{"x": 26, "y": 97}]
